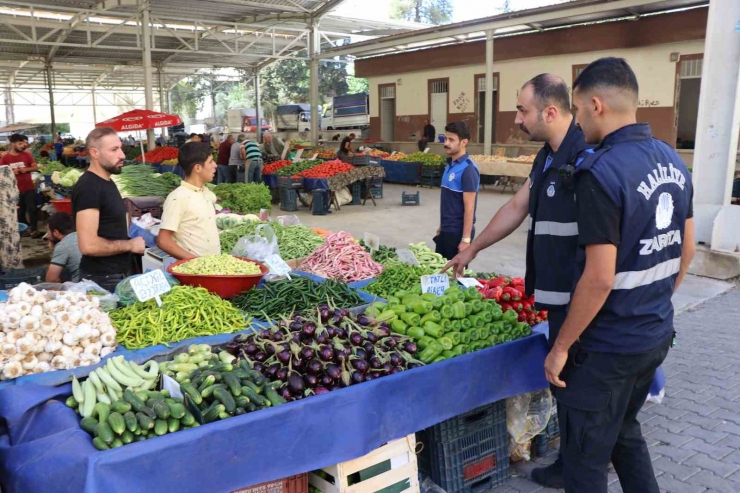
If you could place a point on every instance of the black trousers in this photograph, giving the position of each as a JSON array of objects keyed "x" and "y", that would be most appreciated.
[
  {"x": 598, "y": 419},
  {"x": 28, "y": 212},
  {"x": 447, "y": 243}
]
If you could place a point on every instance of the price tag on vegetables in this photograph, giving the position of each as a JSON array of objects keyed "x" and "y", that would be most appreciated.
[
  {"x": 314, "y": 156},
  {"x": 372, "y": 241},
  {"x": 426, "y": 150},
  {"x": 153, "y": 284},
  {"x": 407, "y": 256},
  {"x": 277, "y": 265},
  {"x": 435, "y": 284},
  {"x": 469, "y": 282}
]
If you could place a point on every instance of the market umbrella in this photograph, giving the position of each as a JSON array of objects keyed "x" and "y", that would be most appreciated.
[{"x": 140, "y": 120}]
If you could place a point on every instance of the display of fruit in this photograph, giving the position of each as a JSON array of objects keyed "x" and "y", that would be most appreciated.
[{"x": 427, "y": 159}]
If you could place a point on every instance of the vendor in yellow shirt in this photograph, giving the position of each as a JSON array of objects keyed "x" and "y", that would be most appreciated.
[{"x": 188, "y": 228}]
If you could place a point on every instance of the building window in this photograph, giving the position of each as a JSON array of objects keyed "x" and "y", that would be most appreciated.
[{"x": 577, "y": 69}]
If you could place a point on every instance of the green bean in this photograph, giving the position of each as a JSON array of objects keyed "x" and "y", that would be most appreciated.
[{"x": 397, "y": 277}]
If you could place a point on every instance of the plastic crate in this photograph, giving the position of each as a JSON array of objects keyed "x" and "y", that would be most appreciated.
[
  {"x": 320, "y": 205},
  {"x": 468, "y": 453},
  {"x": 550, "y": 435},
  {"x": 293, "y": 484},
  {"x": 364, "y": 160},
  {"x": 288, "y": 200},
  {"x": 138, "y": 206},
  {"x": 357, "y": 193},
  {"x": 410, "y": 199},
  {"x": 288, "y": 182},
  {"x": 13, "y": 277}
]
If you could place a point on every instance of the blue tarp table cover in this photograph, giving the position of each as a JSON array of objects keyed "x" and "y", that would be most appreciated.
[
  {"x": 165, "y": 168},
  {"x": 401, "y": 172},
  {"x": 43, "y": 449},
  {"x": 270, "y": 180},
  {"x": 149, "y": 238},
  {"x": 315, "y": 183}
]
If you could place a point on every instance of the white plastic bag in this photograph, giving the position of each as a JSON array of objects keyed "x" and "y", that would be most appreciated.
[
  {"x": 108, "y": 301},
  {"x": 288, "y": 220},
  {"x": 257, "y": 247},
  {"x": 527, "y": 416}
]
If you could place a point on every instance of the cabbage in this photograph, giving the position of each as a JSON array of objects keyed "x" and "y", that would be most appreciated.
[{"x": 69, "y": 177}]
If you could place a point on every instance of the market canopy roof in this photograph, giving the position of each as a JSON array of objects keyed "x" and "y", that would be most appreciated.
[
  {"x": 16, "y": 127},
  {"x": 98, "y": 43}
]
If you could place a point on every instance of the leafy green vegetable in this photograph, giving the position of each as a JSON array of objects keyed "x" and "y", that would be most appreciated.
[{"x": 244, "y": 198}]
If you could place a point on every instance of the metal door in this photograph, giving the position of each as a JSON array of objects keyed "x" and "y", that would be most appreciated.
[
  {"x": 387, "y": 113},
  {"x": 438, "y": 110}
]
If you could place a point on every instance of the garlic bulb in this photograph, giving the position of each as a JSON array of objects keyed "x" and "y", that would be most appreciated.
[
  {"x": 43, "y": 366},
  {"x": 45, "y": 357},
  {"x": 95, "y": 333},
  {"x": 52, "y": 347},
  {"x": 8, "y": 350},
  {"x": 36, "y": 311},
  {"x": 59, "y": 362},
  {"x": 66, "y": 351},
  {"x": 48, "y": 323},
  {"x": 12, "y": 337},
  {"x": 106, "y": 351},
  {"x": 94, "y": 348},
  {"x": 23, "y": 346},
  {"x": 77, "y": 350},
  {"x": 74, "y": 316},
  {"x": 108, "y": 339},
  {"x": 83, "y": 331},
  {"x": 13, "y": 319},
  {"x": 70, "y": 339},
  {"x": 30, "y": 362},
  {"x": 12, "y": 370},
  {"x": 63, "y": 318},
  {"x": 24, "y": 308},
  {"x": 74, "y": 361}
]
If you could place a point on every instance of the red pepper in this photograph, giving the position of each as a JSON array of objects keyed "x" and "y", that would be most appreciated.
[
  {"x": 537, "y": 320},
  {"x": 543, "y": 315},
  {"x": 505, "y": 306},
  {"x": 499, "y": 281},
  {"x": 496, "y": 293},
  {"x": 522, "y": 316},
  {"x": 517, "y": 306},
  {"x": 527, "y": 306},
  {"x": 517, "y": 281},
  {"x": 514, "y": 294}
]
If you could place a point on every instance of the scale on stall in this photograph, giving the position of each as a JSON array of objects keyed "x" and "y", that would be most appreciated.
[{"x": 156, "y": 258}]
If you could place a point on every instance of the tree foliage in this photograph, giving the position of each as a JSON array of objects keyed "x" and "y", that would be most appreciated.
[{"x": 427, "y": 11}]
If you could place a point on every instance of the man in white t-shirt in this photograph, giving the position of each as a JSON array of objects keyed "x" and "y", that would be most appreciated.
[{"x": 188, "y": 228}]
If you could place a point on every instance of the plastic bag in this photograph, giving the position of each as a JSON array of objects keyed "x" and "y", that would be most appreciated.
[
  {"x": 527, "y": 416},
  {"x": 108, "y": 301},
  {"x": 289, "y": 220},
  {"x": 257, "y": 247}
]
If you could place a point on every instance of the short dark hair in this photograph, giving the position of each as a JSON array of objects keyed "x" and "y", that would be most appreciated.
[
  {"x": 607, "y": 72},
  {"x": 193, "y": 135},
  {"x": 191, "y": 154},
  {"x": 62, "y": 222},
  {"x": 458, "y": 128},
  {"x": 17, "y": 138},
  {"x": 550, "y": 90},
  {"x": 93, "y": 138}
]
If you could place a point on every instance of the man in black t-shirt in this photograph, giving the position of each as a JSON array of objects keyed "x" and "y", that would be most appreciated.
[
  {"x": 345, "y": 148},
  {"x": 100, "y": 215}
]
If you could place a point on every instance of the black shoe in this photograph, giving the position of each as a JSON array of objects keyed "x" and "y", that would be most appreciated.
[{"x": 550, "y": 476}]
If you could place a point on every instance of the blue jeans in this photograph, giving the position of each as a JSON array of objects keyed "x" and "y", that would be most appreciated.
[
  {"x": 254, "y": 172},
  {"x": 224, "y": 174}
]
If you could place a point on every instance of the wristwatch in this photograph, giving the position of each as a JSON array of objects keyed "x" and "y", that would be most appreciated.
[{"x": 466, "y": 240}]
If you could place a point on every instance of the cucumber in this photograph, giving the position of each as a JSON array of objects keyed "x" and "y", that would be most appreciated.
[
  {"x": 173, "y": 425},
  {"x": 88, "y": 404},
  {"x": 206, "y": 393},
  {"x": 224, "y": 415},
  {"x": 120, "y": 406},
  {"x": 249, "y": 384},
  {"x": 149, "y": 412},
  {"x": 116, "y": 443},
  {"x": 192, "y": 393},
  {"x": 101, "y": 410},
  {"x": 226, "y": 399},
  {"x": 170, "y": 400},
  {"x": 100, "y": 444},
  {"x": 143, "y": 395},
  {"x": 131, "y": 423},
  {"x": 213, "y": 413},
  {"x": 160, "y": 427},
  {"x": 89, "y": 424},
  {"x": 215, "y": 374},
  {"x": 145, "y": 422},
  {"x": 251, "y": 407},
  {"x": 71, "y": 402},
  {"x": 273, "y": 396},
  {"x": 116, "y": 422},
  {"x": 139, "y": 438},
  {"x": 239, "y": 411},
  {"x": 256, "y": 398},
  {"x": 177, "y": 410},
  {"x": 244, "y": 365},
  {"x": 257, "y": 377},
  {"x": 241, "y": 401},
  {"x": 188, "y": 419},
  {"x": 105, "y": 432},
  {"x": 240, "y": 373},
  {"x": 162, "y": 409},
  {"x": 127, "y": 437},
  {"x": 136, "y": 403},
  {"x": 207, "y": 382},
  {"x": 233, "y": 382},
  {"x": 157, "y": 394},
  {"x": 220, "y": 367}
]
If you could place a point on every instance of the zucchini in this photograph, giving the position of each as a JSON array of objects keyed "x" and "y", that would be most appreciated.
[
  {"x": 160, "y": 427},
  {"x": 226, "y": 399},
  {"x": 188, "y": 419},
  {"x": 273, "y": 396},
  {"x": 192, "y": 393},
  {"x": 207, "y": 382},
  {"x": 249, "y": 384},
  {"x": 206, "y": 393},
  {"x": 116, "y": 422},
  {"x": 99, "y": 444},
  {"x": 120, "y": 406},
  {"x": 127, "y": 437},
  {"x": 89, "y": 424},
  {"x": 101, "y": 410},
  {"x": 213, "y": 413},
  {"x": 71, "y": 402},
  {"x": 220, "y": 367},
  {"x": 136, "y": 403},
  {"x": 131, "y": 424},
  {"x": 241, "y": 401},
  {"x": 116, "y": 443},
  {"x": 233, "y": 382},
  {"x": 173, "y": 425},
  {"x": 145, "y": 422},
  {"x": 88, "y": 404},
  {"x": 105, "y": 432},
  {"x": 177, "y": 410}
]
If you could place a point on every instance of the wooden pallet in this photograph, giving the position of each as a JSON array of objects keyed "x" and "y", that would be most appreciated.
[{"x": 400, "y": 452}]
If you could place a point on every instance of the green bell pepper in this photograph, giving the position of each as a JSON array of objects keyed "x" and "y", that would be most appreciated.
[
  {"x": 438, "y": 359},
  {"x": 421, "y": 307},
  {"x": 415, "y": 332},
  {"x": 472, "y": 293},
  {"x": 399, "y": 309},
  {"x": 524, "y": 329},
  {"x": 401, "y": 293},
  {"x": 430, "y": 352},
  {"x": 446, "y": 311},
  {"x": 486, "y": 316},
  {"x": 386, "y": 316},
  {"x": 453, "y": 289},
  {"x": 455, "y": 336},
  {"x": 468, "y": 308},
  {"x": 372, "y": 311},
  {"x": 449, "y": 354},
  {"x": 399, "y": 327},
  {"x": 424, "y": 341},
  {"x": 458, "y": 310},
  {"x": 446, "y": 342},
  {"x": 433, "y": 299},
  {"x": 411, "y": 319},
  {"x": 433, "y": 316},
  {"x": 455, "y": 324},
  {"x": 474, "y": 335},
  {"x": 410, "y": 298},
  {"x": 448, "y": 300},
  {"x": 465, "y": 324},
  {"x": 493, "y": 340},
  {"x": 484, "y": 332},
  {"x": 476, "y": 321},
  {"x": 416, "y": 289},
  {"x": 511, "y": 317},
  {"x": 464, "y": 338},
  {"x": 477, "y": 306},
  {"x": 460, "y": 349},
  {"x": 433, "y": 330},
  {"x": 496, "y": 328},
  {"x": 446, "y": 324},
  {"x": 392, "y": 300}
]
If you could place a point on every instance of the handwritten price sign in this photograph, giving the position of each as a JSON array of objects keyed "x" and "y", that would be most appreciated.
[
  {"x": 153, "y": 284},
  {"x": 435, "y": 284}
]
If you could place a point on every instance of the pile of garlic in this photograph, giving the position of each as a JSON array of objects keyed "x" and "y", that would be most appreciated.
[{"x": 51, "y": 330}]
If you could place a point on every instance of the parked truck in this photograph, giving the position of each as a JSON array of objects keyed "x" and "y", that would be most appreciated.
[
  {"x": 349, "y": 111},
  {"x": 245, "y": 120},
  {"x": 295, "y": 117}
]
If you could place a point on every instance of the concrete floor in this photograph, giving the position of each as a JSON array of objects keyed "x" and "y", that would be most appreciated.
[{"x": 398, "y": 225}]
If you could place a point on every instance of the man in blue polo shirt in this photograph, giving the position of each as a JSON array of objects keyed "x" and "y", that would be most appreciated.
[
  {"x": 636, "y": 241},
  {"x": 459, "y": 194}
]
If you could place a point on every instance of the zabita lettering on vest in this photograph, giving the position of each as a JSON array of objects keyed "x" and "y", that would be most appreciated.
[
  {"x": 660, "y": 242},
  {"x": 661, "y": 176}
]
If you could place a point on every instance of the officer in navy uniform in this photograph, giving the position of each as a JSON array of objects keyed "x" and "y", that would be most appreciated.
[
  {"x": 459, "y": 194},
  {"x": 636, "y": 241},
  {"x": 548, "y": 197}
]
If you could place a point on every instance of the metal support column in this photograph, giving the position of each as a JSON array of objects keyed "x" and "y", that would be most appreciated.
[
  {"x": 488, "y": 113},
  {"x": 315, "y": 49},
  {"x": 94, "y": 105},
  {"x": 49, "y": 85},
  {"x": 717, "y": 130},
  {"x": 161, "y": 94},
  {"x": 258, "y": 105},
  {"x": 9, "y": 110},
  {"x": 147, "y": 62}
]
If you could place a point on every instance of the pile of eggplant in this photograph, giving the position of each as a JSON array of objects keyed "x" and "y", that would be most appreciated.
[{"x": 328, "y": 349}]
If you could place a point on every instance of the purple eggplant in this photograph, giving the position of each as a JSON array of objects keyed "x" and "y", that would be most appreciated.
[
  {"x": 322, "y": 337},
  {"x": 360, "y": 353},
  {"x": 308, "y": 353},
  {"x": 371, "y": 337},
  {"x": 298, "y": 364},
  {"x": 284, "y": 357},
  {"x": 356, "y": 339},
  {"x": 314, "y": 367},
  {"x": 363, "y": 321},
  {"x": 295, "y": 384},
  {"x": 282, "y": 374},
  {"x": 357, "y": 377},
  {"x": 333, "y": 371},
  {"x": 383, "y": 331},
  {"x": 341, "y": 355},
  {"x": 397, "y": 369},
  {"x": 387, "y": 367},
  {"x": 272, "y": 370},
  {"x": 371, "y": 376},
  {"x": 250, "y": 349},
  {"x": 327, "y": 381},
  {"x": 336, "y": 319},
  {"x": 269, "y": 349},
  {"x": 326, "y": 353},
  {"x": 311, "y": 381},
  {"x": 396, "y": 360},
  {"x": 258, "y": 367},
  {"x": 260, "y": 356},
  {"x": 277, "y": 336},
  {"x": 265, "y": 334},
  {"x": 286, "y": 394},
  {"x": 369, "y": 347},
  {"x": 332, "y": 331},
  {"x": 360, "y": 365},
  {"x": 375, "y": 363},
  {"x": 341, "y": 333},
  {"x": 410, "y": 347},
  {"x": 295, "y": 326},
  {"x": 324, "y": 313},
  {"x": 389, "y": 342},
  {"x": 309, "y": 328},
  {"x": 296, "y": 337},
  {"x": 413, "y": 365},
  {"x": 321, "y": 390}
]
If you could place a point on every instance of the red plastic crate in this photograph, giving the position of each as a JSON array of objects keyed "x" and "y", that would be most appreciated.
[{"x": 293, "y": 484}]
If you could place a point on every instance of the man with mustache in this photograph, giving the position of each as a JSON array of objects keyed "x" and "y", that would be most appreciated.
[
  {"x": 543, "y": 113},
  {"x": 100, "y": 215},
  {"x": 22, "y": 163}
]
